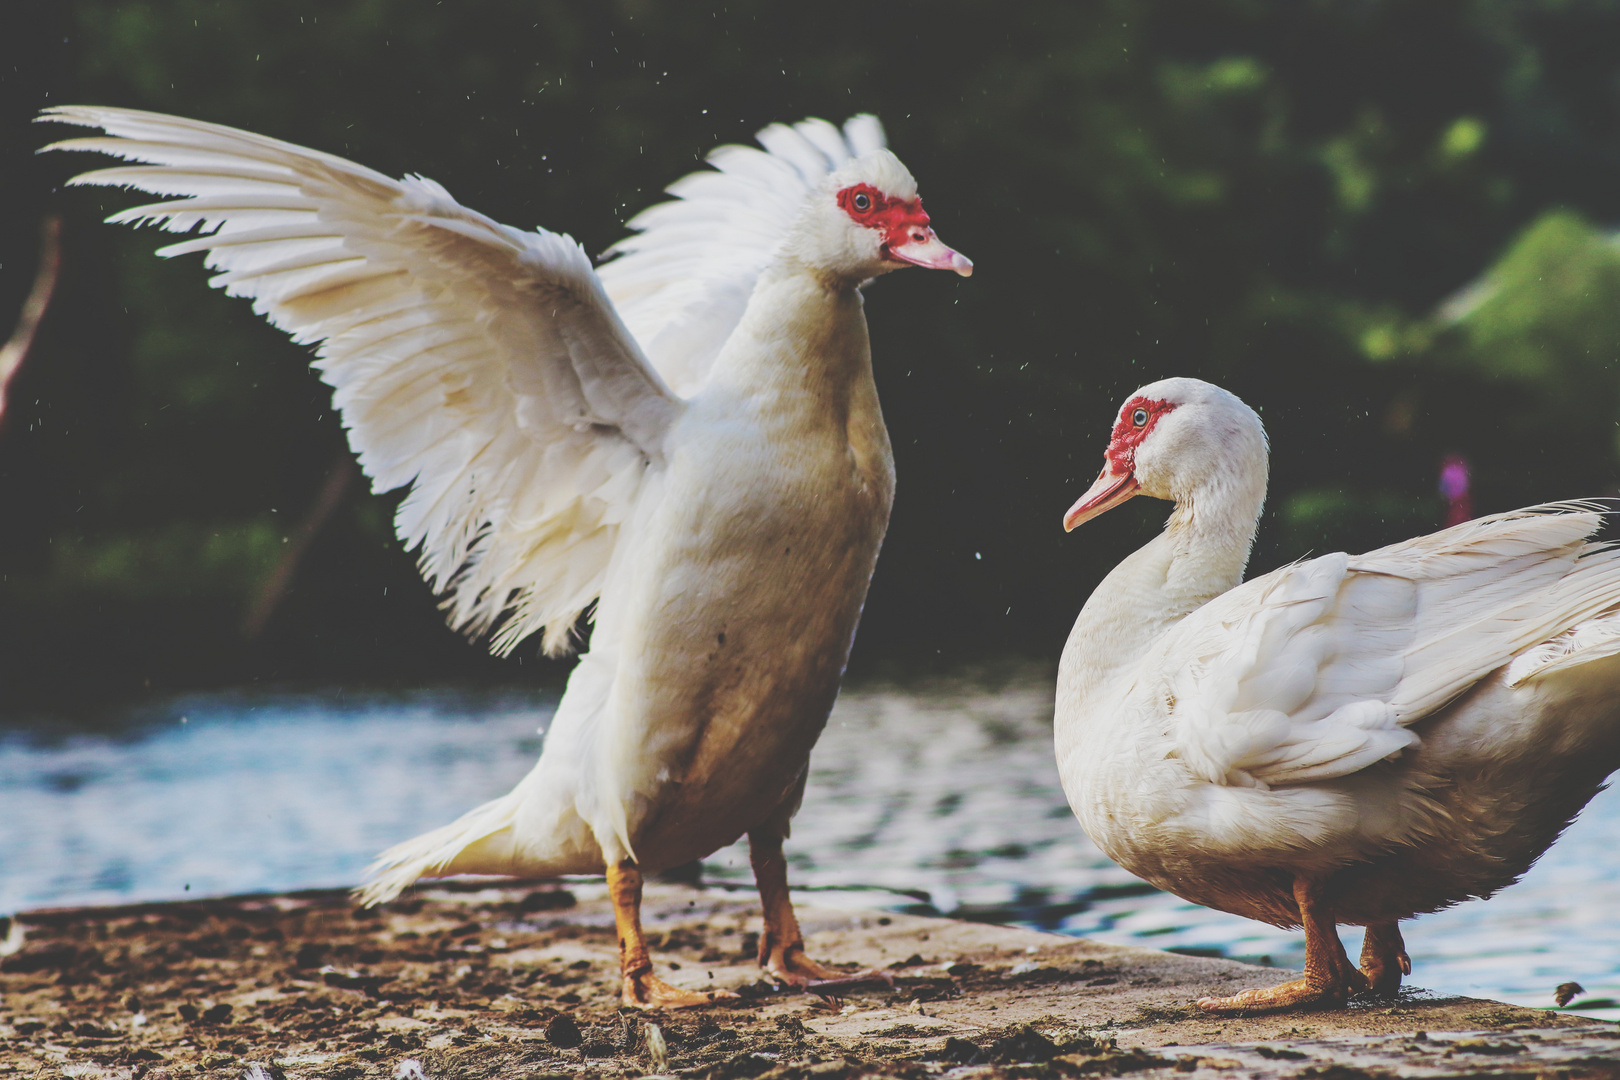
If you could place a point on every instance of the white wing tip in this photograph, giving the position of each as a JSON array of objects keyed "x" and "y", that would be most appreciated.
[{"x": 84, "y": 115}]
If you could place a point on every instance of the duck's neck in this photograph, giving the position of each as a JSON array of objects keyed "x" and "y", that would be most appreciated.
[
  {"x": 1200, "y": 555},
  {"x": 800, "y": 334}
]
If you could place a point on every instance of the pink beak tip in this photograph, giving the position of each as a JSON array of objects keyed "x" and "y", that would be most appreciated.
[
  {"x": 1109, "y": 490},
  {"x": 931, "y": 254}
]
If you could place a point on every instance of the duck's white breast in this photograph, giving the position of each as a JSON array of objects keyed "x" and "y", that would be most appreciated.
[{"x": 744, "y": 589}]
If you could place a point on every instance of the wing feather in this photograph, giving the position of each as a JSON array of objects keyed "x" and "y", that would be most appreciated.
[
  {"x": 1319, "y": 669},
  {"x": 484, "y": 366}
]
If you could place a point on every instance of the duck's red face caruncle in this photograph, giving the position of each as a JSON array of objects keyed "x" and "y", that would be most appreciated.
[
  {"x": 1117, "y": 481},
  {"x": 903, "y": 226}
]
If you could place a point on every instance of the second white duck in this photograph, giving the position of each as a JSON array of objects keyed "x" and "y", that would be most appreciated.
[{"x": 1348, "y": 739}]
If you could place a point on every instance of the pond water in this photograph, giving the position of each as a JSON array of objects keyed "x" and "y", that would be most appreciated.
[{"x": 939, "y": 798}]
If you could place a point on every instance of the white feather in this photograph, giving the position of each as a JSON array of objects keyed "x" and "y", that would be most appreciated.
[
  {"x": 729, "y": 537},
  {"x": 1432, "y": 692},
  {"x": 1315, "y": 670},
  {"x": 482, "y": 365},
  {"x": 682, "y": 280}
]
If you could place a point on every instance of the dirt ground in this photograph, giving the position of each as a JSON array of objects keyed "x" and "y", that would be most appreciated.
[{"x": 521, "y": 982}]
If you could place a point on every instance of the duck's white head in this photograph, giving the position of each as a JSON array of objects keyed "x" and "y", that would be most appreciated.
[
  {"x": 1185, "y": 440},
  {"x": 866, "y": 220}
]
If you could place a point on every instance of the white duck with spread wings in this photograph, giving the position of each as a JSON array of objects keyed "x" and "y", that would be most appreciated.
[
  {"x": 1349, "y": 739},
  {"x": 690, "y": 438}
]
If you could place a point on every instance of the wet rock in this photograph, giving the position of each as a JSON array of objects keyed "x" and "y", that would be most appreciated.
[
  {"x": 1021, "y": 1044},
  {"x": 563, "y": 1032},
  {"x": 547, "y": 900},
  {"x": 1280, "y": 1053},
  {"x": 744, "y": 1066},
  {"x": 311, "y": 954},
  {"x": 1484, "y": 1046},
  {"x": 209, "y": 947},
  {"x": 1116, "y": 1063},
  {"x": 46, "y": 956},
  {"x": 598, "y": 1047},
  {"x": 353, "y": 980}
]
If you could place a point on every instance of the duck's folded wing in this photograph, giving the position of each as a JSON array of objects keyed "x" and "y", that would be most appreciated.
[
  {"x": 482, "y": 365},
  {"x": 1319, "y": 669},
  {"x": 683, "y": 279}
]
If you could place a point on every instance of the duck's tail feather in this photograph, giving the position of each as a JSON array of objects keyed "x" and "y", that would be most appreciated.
[{"x": 481, "y": 841}]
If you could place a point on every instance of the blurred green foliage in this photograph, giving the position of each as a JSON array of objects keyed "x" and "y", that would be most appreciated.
[
  {"x": 1545, "y": 319},
  {"x": 1280, "y": 196},
  {"x": 1316, "y": 519}
]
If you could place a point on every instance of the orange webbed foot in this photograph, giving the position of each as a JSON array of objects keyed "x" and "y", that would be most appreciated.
[
  {"x": 648, "y": 991},
  {"x": 781, "y": 943},
  {"x": 1330, "y": 979},
  {"x": 1301, "y": 994},
  {"x": 788, "y": 966}
]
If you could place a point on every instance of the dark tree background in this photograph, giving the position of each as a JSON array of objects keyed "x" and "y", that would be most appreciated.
[{"x": 1286, "y": 197}]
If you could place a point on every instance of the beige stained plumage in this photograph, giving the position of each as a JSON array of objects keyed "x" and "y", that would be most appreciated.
[
  {"x": 689, "y": 438},
  {"x": 1392, "y": 732}
]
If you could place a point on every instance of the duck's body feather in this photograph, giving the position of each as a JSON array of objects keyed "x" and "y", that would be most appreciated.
[
  {"x": 690, "y": 439},
  {"x": 1413, "y": 726},
  {"x": 723, "y": 633}
]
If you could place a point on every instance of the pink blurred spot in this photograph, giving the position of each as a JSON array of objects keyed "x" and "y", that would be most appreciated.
[{"x": 1454, "y": 488}]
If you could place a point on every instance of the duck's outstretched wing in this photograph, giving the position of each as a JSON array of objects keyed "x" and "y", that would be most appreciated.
[
  {"x": 682, "y": 280},
  {"x": 1319, "y": 669},
  {"x": 481, "y": 365}
]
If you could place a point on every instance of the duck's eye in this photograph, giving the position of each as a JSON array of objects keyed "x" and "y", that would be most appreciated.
[
  {"x": 863, "y": 201},
  {"x": 1139, "y": 417}
]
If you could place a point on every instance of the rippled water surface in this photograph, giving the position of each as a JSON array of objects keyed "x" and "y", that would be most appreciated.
[{"x": 943, "y": 798}]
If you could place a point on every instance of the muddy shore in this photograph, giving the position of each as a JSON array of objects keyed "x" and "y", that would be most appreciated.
[{"x": 520, "y": 981}]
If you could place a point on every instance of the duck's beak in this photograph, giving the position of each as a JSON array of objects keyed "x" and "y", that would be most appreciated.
[
  {"x": 931, "y": 254},
  {"x": 1109, "y": 491}
]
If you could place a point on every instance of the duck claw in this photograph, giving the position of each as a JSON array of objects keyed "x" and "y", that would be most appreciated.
[
  {"x": 647, "y": 992},
  {"x": 1384, "y": 959},
  {"x": 790, "y": 967},
  {"x": 1302, "y": 994}
]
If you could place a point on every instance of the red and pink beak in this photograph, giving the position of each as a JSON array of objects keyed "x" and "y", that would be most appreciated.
[
  {"x": 923, "y": 248},
  {"x": 903, "y": 224},
  {"x": 1111, "y": 489}
]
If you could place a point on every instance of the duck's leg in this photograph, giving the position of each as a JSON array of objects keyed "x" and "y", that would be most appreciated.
[
  {"x": 1384, "y": 959},
  {"x": 781, "y": 945},
  {"x": 643, "y": 989},
  {"x": 1329, "y": 979}
]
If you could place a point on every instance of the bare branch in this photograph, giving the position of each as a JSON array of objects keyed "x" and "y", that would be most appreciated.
[
  {"x": 15, "y": 351},
  {"x": 275, "y": 587}
]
